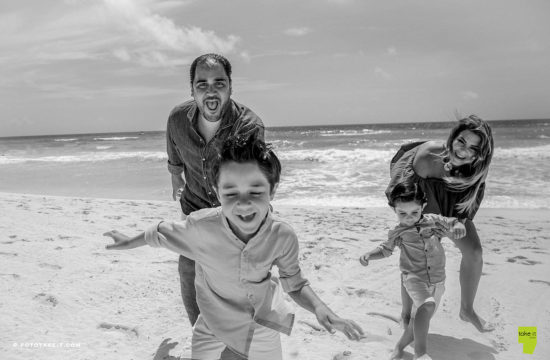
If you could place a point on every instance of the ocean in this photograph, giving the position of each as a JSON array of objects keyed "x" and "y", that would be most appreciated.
[{"x": 340, "y": 165}]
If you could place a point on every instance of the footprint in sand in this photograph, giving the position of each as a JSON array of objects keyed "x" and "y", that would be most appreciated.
[
  {"x": 345, "y": 355},
  {"x": 50, "y": 266},
  {"x": 15, "y": 276},
  {"x": 522, "y": 260},
  {"x": 539, "y": 281},
  {"x": 8, "y": 254},
  {"x": 47, "y": 299},
  {"x": 122, "y": 328}
]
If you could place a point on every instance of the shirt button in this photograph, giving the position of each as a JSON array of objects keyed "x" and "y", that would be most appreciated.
[
  {"x": 250, "y": 296},
  {"x": 245, "y": 253},
  {"x": 426, "y": 250},
  {"x": 429, "y": 267},
  {"x": 203, "y": 159},
  {"x": 243, "y": 280},
  {"x": 204, "y": 177}
]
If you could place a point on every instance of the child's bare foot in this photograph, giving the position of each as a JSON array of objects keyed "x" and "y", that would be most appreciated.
[
  {"x": 397, "y": 354},
  {"x": 473, "y": 318}
]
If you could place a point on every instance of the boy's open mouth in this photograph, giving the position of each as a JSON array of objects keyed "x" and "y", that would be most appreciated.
[{"x": 247, "y": 218}]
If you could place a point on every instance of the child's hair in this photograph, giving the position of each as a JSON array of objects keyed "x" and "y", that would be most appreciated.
[
  {"x": 244, "y": 149},
  {"x": 406, "y": 192},
  {"x": 474, "y": 174}
]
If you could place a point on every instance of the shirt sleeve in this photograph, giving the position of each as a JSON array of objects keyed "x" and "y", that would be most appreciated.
[
  {"x": 175, "y": 236},
  {"x": 389, "y": 245},
  {"x": 175, "y": 163},
  {"x": 290, "y": 273},
  {"x": 442, "y": 222}
]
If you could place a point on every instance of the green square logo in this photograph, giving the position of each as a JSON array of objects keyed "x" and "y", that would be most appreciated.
[{"x": 527, "y": 335}]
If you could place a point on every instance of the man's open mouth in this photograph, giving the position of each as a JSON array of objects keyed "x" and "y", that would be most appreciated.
[{"x": 212, "y": 105}]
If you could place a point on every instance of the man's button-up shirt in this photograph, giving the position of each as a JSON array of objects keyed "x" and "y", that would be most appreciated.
[{"x": 189, "y": 154}]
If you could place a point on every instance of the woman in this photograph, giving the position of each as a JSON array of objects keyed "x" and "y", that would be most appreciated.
[{"x": 453, "y": 177}]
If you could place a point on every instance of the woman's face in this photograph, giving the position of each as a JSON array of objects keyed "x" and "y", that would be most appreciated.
[{"x": 464, "y": 148}]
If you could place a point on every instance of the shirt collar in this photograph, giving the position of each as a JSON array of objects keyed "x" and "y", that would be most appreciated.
[{"x": 263, "y": 228}]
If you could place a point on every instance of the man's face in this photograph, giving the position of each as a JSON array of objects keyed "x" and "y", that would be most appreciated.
[
  {"x": 244, "y": 194},
  {"x": 211, "y": 90}
]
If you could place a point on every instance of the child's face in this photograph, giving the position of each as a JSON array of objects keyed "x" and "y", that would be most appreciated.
[
  {"x": 244, "y": 194},
  {"x": 408, "y": 213}
]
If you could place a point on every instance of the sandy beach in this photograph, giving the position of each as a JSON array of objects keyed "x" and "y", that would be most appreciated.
[{"x": 63, "y": 296}]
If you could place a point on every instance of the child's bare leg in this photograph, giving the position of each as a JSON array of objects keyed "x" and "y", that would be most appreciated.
[
  {"x": 406, "y": 307},
  {"x": 421, "y": 325},
  {"x": 404, "y": 341}
]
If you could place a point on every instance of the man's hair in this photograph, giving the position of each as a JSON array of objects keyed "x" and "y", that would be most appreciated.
[
  {"x": 406, "y": 192},
  {"x": 210, "y": 60},
  {"x": 248, "y": 149}
]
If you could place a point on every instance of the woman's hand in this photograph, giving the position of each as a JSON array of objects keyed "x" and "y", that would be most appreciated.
[
  {"x": 364, "y": 259},
  {"x": 458, "y": 231}
]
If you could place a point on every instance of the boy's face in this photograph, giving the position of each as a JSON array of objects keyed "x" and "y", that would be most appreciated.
[
  {"x": 408, "y": 213},
  {"x": 244, "y": 194}
]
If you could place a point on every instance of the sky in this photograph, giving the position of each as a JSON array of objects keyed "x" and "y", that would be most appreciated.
[{"x": 89, "y": 66}]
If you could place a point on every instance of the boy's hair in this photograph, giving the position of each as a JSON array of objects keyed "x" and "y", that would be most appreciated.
[
  {"x": 244, "y": 149},
  {"x": 406, "y": 192}
]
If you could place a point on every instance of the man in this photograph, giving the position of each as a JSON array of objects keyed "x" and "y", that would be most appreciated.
[{"x": 195, "y": 132}]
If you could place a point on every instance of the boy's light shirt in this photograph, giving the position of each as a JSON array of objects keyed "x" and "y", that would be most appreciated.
[
  {"x": 421, "y": 250},
  {"x": 233, "y": 280}
]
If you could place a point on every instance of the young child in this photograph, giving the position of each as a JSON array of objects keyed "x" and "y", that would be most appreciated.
[
  {"x": 422, "y": 262},
  {"x": 234, "y": 247}
]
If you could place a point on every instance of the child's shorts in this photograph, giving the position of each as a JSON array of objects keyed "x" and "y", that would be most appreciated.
[
  {"x": 266, "y": 343},
  {"x": 422, "y": 292}
]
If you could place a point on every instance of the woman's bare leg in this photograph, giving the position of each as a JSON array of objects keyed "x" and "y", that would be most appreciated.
[{"x": 470, "y": 274}]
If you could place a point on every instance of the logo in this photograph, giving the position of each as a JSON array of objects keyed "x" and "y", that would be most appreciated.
[{"x": 528, "y": 337}]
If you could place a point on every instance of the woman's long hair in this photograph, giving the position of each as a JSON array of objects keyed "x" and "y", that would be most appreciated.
[{"x": 470, "y": 177}]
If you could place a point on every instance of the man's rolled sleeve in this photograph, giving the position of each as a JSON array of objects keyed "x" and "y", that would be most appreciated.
[
  {"x": 290, "y": 273},
  {"x": 175, "y": 164}
]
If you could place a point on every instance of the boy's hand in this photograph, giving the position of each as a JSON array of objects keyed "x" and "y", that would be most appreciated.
[
  {"x": 121, "y": 240},
  {"x": 458, "y": 231},
  {"x": 364, "y": 259},
  {"x": 333, "y": 322}
]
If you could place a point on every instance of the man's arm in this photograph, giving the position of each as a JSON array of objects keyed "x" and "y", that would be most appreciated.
[{"x": 178, "y": 183}]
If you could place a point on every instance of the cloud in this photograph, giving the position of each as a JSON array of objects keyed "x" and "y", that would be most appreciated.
[
  {"x": 281, "y": 53},
  {"x": 470, "y": 95},
  {"x": 379, "y": 72},
  {"x": 391, "y": 50},
  {"x": 91, "y": 29},
  {"x": 297, "y": 31}
]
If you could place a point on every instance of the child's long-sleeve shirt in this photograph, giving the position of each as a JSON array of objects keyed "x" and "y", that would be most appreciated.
[
  {"x": 421, "y": 250},
  {"x": 233, "y": 279}
]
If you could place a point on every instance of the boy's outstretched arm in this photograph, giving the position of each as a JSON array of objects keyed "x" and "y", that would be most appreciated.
[
  {"x": 124, "y": 242},
  {"x": 375, "y": 254},
  {"x": 306, "y": 298}
]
